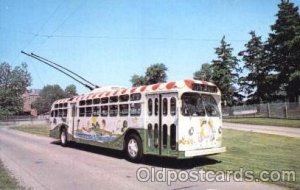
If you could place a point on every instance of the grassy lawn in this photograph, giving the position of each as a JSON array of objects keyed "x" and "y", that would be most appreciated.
[
  {"x": 42, "y": 130},
  {"x": 250, "y": 151},
  {"x": 266, "y": 121},
  {"x": 6, "y": 180},
  {"x": 258, "y": 152}
]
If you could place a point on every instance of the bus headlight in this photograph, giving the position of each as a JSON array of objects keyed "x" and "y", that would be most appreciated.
[
  {"x": 191, "y": 131},
  {"x": 220, "y": 130}
]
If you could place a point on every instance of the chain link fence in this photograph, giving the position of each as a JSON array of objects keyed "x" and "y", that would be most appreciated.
[{"x": 286, "y": 110}]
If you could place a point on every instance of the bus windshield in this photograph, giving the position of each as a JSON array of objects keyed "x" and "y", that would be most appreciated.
[{"x": 194, "y": 104}]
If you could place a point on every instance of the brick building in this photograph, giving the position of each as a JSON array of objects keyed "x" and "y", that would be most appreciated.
[{"x": 29, "y": 97}]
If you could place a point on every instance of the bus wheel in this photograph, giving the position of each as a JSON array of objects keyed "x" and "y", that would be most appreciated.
[
  {"x": 134, "y": 148},
  {"x": 63, "y": 137}
]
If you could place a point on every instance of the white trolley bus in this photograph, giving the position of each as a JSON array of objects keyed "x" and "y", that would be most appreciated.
[{"x": 179, "y": 119}]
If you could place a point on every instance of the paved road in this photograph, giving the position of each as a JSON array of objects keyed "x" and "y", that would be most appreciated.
[
  {"x": 275, "y": 130},
  {"x": 40, "y": 163}
]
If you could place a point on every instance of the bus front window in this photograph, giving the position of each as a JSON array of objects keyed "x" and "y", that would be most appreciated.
[
  {"x": 210, "y": 105},
  {"x": 194, "y": 104}
]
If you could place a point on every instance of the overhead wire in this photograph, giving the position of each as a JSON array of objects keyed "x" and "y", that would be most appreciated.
[
  {"x": 62, "y": 23},
  {"x": 35, "y": 35},
  {"x": 125, "y": 38},
  {"x": 42, "y": 27}
]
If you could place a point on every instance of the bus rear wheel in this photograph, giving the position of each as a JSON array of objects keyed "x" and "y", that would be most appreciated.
[
  {"x": 63, "y": 137},
  {"x": 134, "y": 148}
]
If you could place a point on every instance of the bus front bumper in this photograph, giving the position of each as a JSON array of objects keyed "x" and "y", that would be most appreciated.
[{"x": 204, "y": 152}]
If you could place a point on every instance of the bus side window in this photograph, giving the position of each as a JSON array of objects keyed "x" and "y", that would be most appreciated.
[
  {"x": 113, "y": 110},
  {"x": 135, "y": 109},
  {"x": 156, "y": 106},
  {"x": 60, "y": 113},
  {"x": 124, "y": 98},
  {"x": 173, "y": 137},
  {"x": 88, "y": 112},
  {"x": 96, "y": 111},
  {"x": 155, "y": 135},
  {"x": 89, "y": 102},
  {"x": 124, "y": 110},
  {"x": 165, "y": 106},
  {"x": 81, "y": 112},
  {"x": 173, "y": 106},
  {"x": 82, "y": 103},
  {"x": 150, "y": 135},
  {"x": 104, "y": 100},
  {"x": 65, "y": 112},
  {"x": 104, "y": 111},
  {"x": 165, "y": 136},
  {"x": 150, "y": 107},
  {"x": 52, "y": 113},
  {"x": 96, "y": 101},
  {"x": 135, "y": 97},
  {"x": 113, "y": 99}
]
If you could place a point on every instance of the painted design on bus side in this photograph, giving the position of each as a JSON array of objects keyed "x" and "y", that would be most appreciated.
[{"x": 95, "y": 131}]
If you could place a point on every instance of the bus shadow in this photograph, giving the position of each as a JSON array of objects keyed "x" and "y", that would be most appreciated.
[
  {"x": 173, "y": 163},
  {"x": 150, "y": 160},
  {"x": 94, "y": 149}
]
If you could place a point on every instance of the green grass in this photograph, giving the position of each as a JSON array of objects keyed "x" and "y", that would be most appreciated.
[
  {"x": 266, "y": 121},
  {"x": 258, "y": 152},
  {"x": 7, "y": 181},
  {"x": 42, "y": 130},
  {"x": 247, "y": 150}
]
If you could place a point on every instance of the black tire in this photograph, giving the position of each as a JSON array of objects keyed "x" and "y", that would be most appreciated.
[
  {"x": 63, "y": 137},
  {"x": 134, "y": 148}
]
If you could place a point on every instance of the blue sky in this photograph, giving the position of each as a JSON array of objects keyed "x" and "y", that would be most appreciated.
[{"x": 109, "y": 41}]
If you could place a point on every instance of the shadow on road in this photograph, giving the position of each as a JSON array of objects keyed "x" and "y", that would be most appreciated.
[
  {"x": 164, "y": 162},
  {"x": 167, "y": 162}
]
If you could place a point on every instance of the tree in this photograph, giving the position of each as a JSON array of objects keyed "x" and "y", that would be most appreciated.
[
  {"x": 283, "y": 47},
  {"x": 13, "y": 84},
  {"x": 71, "y": 91},
  {"x": 254, "y": 83},
  {"x": 154, "y": 74},
  {"x": 138, "y": 80},
  {"x": 225, "y": 73},
  {"x": 205, "y": 73},
  {"x": 48, "y": 95}
]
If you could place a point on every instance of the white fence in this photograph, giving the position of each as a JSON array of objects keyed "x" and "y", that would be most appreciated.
[
  {"x": 273, "y": 110},
  {"x": 23, "y": 120}
]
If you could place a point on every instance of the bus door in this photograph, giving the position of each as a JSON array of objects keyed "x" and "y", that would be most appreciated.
[{"x": 161, "y": 122}]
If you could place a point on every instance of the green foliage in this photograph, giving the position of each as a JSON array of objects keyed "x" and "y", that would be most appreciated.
[
  {"x": 283, "y": 47},
  {"x": 7, "y": 181},
  {"x": 254, "y": 84},
  {"x": 71, "y": 90},
  {"x": 48, "y": 95},
  {"x": 154, "y": 74},
  {"x": 138, "y": 80},
  {"x": 205, "y": 73},
  {"x": 13, "y": 83},
  {"x": 225, "y": 73}
]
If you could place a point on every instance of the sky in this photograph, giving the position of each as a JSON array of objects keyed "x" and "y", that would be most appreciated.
[{"x": 108, "y": 41}]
